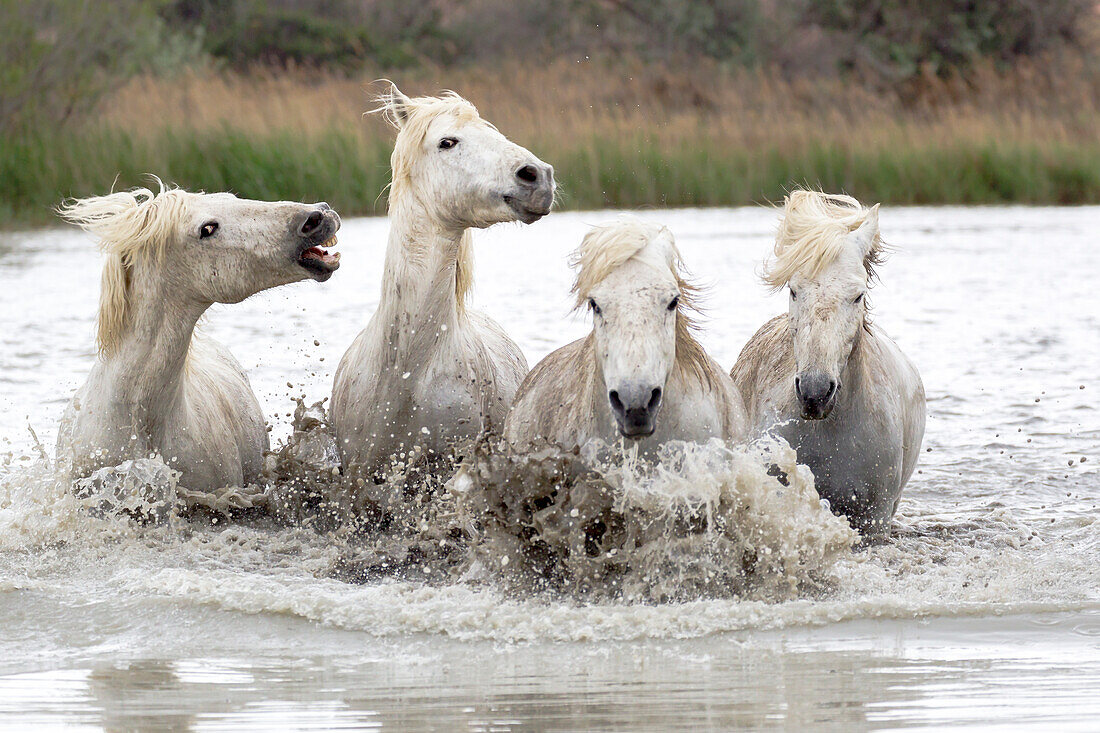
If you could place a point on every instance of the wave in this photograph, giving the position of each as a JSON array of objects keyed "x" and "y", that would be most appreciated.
[{"x": 543, "y": 545}]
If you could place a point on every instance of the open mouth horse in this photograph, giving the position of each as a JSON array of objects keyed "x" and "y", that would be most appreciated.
[
  {"x": 833, "y": 384},
  {"x": 158, "y": 387}
]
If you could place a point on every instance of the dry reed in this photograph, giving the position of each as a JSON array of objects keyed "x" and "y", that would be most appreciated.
[{"x": 618, "y": 135}]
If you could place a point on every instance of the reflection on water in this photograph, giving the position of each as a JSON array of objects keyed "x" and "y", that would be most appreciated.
[
  {"x": 851, "y": 677},
  {"x": 983, "y": 609}
]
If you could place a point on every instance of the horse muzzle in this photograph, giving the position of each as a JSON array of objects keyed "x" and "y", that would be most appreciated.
[
  {"x": 816, "y": 393},
  {"x": 635, "y": 409},
  {"x": 534, "y": 193}
]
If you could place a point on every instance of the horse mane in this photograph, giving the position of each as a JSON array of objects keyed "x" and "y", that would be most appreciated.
[
  {"x": 131, "y": 226},
  {"x": 812, "y": 234},
  {"x": 411, "y": 116},
  {"x": 609, "y": 246}
]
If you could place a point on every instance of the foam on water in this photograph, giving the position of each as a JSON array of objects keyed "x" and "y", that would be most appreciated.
[
  {"x": 709, "y": 533},
  {"x": 1001, "y": 517}
]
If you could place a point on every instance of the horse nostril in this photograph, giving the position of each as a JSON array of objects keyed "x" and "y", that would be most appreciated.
[
  {"x": 654, "y": 400},
  {"x": 816, "y": 388},
  {"x": 616, "y": 403},
  {"x": 312, "y": 223},
  {"x": 528, "y": 174}
]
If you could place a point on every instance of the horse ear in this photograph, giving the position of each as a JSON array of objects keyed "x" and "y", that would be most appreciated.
[
  {"x": 668, "y": 245},
  {"x": 395, "y": 106},
  {"x": 866, "y": 234}
]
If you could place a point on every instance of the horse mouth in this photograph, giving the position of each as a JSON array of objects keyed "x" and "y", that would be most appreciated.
[
  {"x": 632, "y": 433},
  {"x": 318, "y": 261},
  {"x": 817, "y": 411},
  {"x": 526, "y": 214}
]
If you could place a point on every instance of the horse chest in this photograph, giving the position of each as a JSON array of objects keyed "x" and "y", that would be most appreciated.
[
  {"x": 211, "y": 429},
  {"x": 430, "y": 407},
  {"x": 856, "y": 464},
  {"x": 214, "y": 447},
  {"x": 437, "y": 408},
  {"x": 695, "y": 420}
]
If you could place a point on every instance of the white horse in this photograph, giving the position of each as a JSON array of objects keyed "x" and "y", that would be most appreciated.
[
  {"x": 427, "y": 371},
  {"x": 640, "y": 373},
  {"x": 835, "y": 386},
  {"x": 157, "y": 387}
]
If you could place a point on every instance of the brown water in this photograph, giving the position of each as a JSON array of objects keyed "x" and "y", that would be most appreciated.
[{"x": 982, "y": 611}]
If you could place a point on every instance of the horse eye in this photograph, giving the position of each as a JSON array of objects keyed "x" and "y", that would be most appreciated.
[
  {"x": 208, "y": 229},
  {"x": 595, "y": 308},
  {"x": 447, "y": 143},
  {"x": 858, "y": 298},
  {"x": 794, "y": 295},
  {"x": 674, "y": 303}
]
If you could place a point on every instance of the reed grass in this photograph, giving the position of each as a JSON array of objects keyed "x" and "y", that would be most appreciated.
[{"x": 623, "y": 136}]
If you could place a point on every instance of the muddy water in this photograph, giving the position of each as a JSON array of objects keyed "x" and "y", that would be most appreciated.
[{"x": 983, "y": 609}]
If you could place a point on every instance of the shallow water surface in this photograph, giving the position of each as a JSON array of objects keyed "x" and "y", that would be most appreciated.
[{"x": 982, "y": 610}]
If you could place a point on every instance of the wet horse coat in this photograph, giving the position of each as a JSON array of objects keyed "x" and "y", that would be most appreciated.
[
  {"x": 157, "y": 387},
  {"x": 427, "y": 372},
  {"x": 835, "y": 386},
  {"x": 640, "y": 373}
]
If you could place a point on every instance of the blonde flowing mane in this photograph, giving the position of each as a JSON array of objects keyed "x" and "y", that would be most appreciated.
[
  {"x": 131, "y": 226},
  {"x": 812, "y": 234},
  {"x": 607, "y": 247},
  {"x": 411, "y": 116}
]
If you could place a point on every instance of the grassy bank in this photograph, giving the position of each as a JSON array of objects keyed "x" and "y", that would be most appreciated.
[{"x": 635, "y": 137}]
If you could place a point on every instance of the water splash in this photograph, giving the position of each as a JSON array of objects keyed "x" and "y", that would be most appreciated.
[
  {"x": 701, "y": 521},
  {"x": 547, "y": 544}
]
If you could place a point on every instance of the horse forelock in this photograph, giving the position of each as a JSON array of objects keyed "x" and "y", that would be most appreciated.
[
  {"x": 415, "y": 118},
  {"x": 813, "y": 232},
  {"x": 607, "y": 247}
]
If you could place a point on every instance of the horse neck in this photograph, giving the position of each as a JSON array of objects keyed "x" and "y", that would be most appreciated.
[
  {"x": 692, "y": 369},
  {"x": 426, "y": 267},
  {"x": 148, "y": 362},
  {"x": 855, "y": 370},
  {"x": 591, "y": 401}
]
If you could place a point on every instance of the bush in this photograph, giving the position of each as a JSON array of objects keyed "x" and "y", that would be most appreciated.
[
  {"x": 901, "y": 39},
  {"x": 333, "y": 34},
  {"x": 58, "y": 57}
]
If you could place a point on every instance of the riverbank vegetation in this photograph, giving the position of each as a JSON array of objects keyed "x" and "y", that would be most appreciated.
[{"x": 633, "y": 113}]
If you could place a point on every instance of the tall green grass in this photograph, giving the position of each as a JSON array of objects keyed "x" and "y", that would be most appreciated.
[
  {"x": 38, "y": 171},
  {"x": 350, "y": 170}
]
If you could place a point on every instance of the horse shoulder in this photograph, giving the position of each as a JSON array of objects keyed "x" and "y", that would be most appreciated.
[
  {"x": 891, "y": 372},
  {"x": 765, "y": 361},
  {"x": 506, "y": 365},
  {"x": 93, "y": 421},
  {"x": 219, "y": 417},
  {"x": 718, "y": 388},
  {"x": 349, "y": 368},
  {"x": 360, "y": 377},
  {"x": 542, "y": 405}
]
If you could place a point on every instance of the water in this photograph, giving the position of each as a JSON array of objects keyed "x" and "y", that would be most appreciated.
[{"x": 982, "y": 611}]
